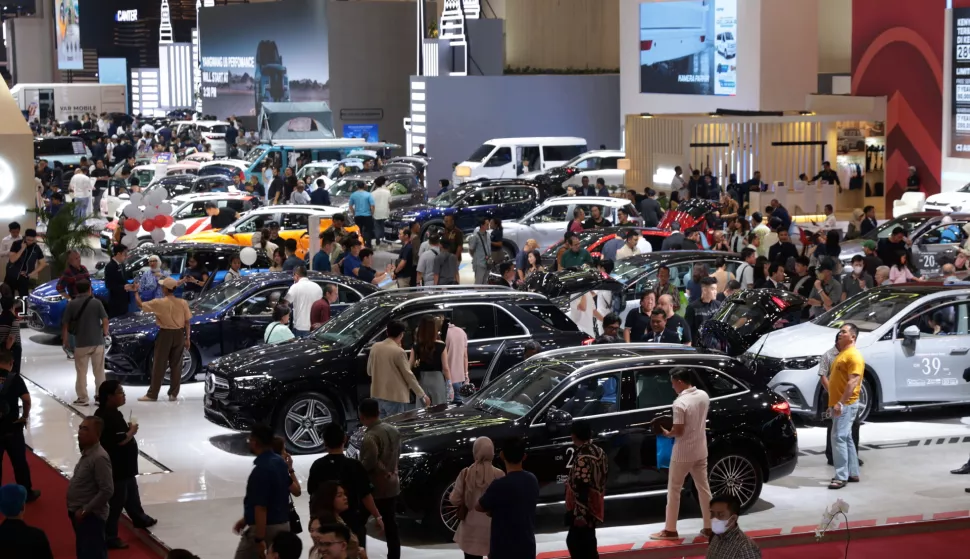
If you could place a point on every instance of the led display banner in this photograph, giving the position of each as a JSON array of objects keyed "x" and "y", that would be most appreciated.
[
  {"x": 68, "y": 39},
  {"x": 275, "y": 52},
  {"x": 960, "y": 92},
  {"x": 689, "y": 47}
]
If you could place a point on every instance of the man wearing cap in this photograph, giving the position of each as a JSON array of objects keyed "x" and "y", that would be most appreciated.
[
  {"x": 19, "y": 539},
  {"x": 912, "y": 181},
  {"x": 870, "y": 260},
  {"x": 827, "y": 292},
  {"x": 173, "y": 318}
]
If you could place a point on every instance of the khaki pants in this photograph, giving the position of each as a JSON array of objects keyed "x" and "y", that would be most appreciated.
[
  {"x": 82, "y": 356},
  {"x": 248, "y": 549},
  {"x": 168, "y": 354},
  {"x": 675, "y": 484}
]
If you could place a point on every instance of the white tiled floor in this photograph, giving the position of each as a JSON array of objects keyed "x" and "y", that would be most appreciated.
[{"x": 198, "y": 470}]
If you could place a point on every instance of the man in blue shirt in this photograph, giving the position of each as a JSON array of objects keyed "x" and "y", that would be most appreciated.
[
  {"x": 351, "y": 263},
  {"x": 362, "y": 210},
  {"x": 321, "y": 261},
  {"x": 266, "y": 506}
]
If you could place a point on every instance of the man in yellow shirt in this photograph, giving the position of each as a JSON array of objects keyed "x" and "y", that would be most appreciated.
[{"x": 845, "y": 382}]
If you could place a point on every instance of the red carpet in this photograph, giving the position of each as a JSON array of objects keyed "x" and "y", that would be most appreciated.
[{"x": 50, "y": 514}]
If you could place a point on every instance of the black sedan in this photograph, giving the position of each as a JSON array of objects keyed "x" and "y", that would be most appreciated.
[
  {"x": 619, "y": 389},
  {"x": 747, "y": 315},
  {"x": 228, "y": 318},
  {"x": 301, "y": 385}
]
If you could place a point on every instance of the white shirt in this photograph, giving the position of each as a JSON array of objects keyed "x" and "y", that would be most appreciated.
[
  {"x": 382, "y": 202},
  {"x": 583, "y": 319},
  {"x": 298, "y": 197},
  {"x": 626, "y": 252},
  {"x": 746, "y": 275},
  {"x": 677, "y": 184},
  {"x": 148, "y": 128},
  {"x": 6, "y": 243},
  {"x": 426, "y": 265},
  {"x": 829, "y": 223},
  {"x": 81, "y": 186},
  {"x": 301, "y": 297},
  {"x": 644, "y": 246}
]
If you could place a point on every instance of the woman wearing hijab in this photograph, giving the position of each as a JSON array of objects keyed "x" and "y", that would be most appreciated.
[
  {"x": 855, "y": 225},
  {"x": 150, "y": 282},
  {"x": 475, "y": 528}
]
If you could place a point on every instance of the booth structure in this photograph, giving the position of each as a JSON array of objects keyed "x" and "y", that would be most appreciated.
[
  {"x": 295, "y": 121},
  {"x": 17, "y": 185},
  {"x": 842, "y": 130}
]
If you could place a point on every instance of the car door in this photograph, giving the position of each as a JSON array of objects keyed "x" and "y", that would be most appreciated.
[
  {"x": 548, "y": 225},
  {"x": 499, "y": 164},
  {"x": 475, "y": 206},
  {"x": 294, "y": 226},
  {"x": 244, "y": 324},
  {"x": 930, "y": 368},
  {"x": 595, "y": 400},
  {"x": 517, "y": 201},
  {"x": 487, "y": 326},
  {"x": 345, "y": 297},
  {"x": 652, "y": 396},
  {"x": 937, "y": 242}
]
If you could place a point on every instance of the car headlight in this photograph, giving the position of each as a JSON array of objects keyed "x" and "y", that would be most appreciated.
[
  {"x": 800, "y": 363},
  {"x": 250, "y": 382},
  {"x": 53, "y": 298}
]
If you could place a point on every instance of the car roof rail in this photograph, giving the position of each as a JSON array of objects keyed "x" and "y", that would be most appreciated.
[
  {"x": 437, "y": 288},
  {"x": 470, "y": 293}
]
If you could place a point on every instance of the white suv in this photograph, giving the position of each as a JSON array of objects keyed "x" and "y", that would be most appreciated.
[
  {"x": 915, "y": 340},
  {"x": 955, "y": 201}
]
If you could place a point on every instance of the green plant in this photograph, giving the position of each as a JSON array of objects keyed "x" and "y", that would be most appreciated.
[{"x": 66, "y": 232}]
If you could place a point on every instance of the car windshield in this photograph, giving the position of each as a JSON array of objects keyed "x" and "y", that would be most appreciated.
[
  {"x": 345, "y": 187},
  {"x": 907, "y": 222},
  {"x": 630, "y": 269},
  {"x": 254, "y": 155},
  {"x": 964, "y": 188},
  {"x": 350, "y": 327},
  {"x": 746, "y": 318},
  {"x": 481, "y": 153},
  {"x": 134, "y": 264},
  {"x": 447, "y": 199},
  {"x": 144, "y": 176},
  {"x": 521, "y": 389},
  {"x": 728, "y": 36},
  {"x": 220, "y": 296},
  {"x": 868, "y": 310}
]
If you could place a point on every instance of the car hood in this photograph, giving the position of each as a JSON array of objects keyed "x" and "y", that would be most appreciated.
[
  {"x": 950, "y": 198},
  {"x": 284, "y": 356},
  {"x": 208, "y": 237},
  {"x": 48, "y": 289},
  {"x": 802, "y": 340},
  {"x": 132, "y": 323},
  {"x": 850, "y": 249},
  {"x": 437, "y": 428},
  {"x": 569, "y": 282}
]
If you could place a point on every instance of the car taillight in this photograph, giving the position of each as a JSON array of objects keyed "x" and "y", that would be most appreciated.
[
  {"x": 782, "y": 407},
  {"x": 646, "y": 45},
  {"x": 782, "y": 305},
  {"x": 588, "y": 341},
  {"x": 703, "y": 37}
]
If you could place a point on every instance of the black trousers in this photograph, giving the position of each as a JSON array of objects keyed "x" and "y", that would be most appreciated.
[
  {"x": 828, "y": 438},
  {"x": 366, "y": 225},
  {"x": 388, "y": 510},
  {"x": 581, "y": 542},
  {"x": 12, "y": 443},
  {"x": 89, "y": 537},
  {"x": 126, "y": 498},
  {"x": 19, "y": 284}
]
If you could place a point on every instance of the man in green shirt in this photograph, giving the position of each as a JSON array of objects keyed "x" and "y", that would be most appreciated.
[{"x": 576, "y": 257}]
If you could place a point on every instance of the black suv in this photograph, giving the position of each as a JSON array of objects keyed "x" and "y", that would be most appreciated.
[
  {"x": 619, "y": 389},
  {"x": 299, "y": 386}
]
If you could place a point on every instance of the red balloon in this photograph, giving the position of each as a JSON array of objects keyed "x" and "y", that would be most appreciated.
[
  {"x": 169, "y": 221},
  {"x": 131, "y": 224},
  {"x": 161, "y": 220},
  {"x": 148, "y": 224}
]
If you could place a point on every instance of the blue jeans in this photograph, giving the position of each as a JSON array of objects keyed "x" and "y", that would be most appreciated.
[
  {"x": 300, "y": 333},
  {"x": 379, "y": 230},
  {"x": 457, "y": 386},
  {"x": 89, "y": 537},
  {"x": 81, "y": 206},
  {"x": 389, "y": 408},
  {"x": 843, "y": 448}
]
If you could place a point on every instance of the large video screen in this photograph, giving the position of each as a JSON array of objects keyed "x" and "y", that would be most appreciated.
[
  {"x": 267, "y": 52},
  {"x": 68, "y": 40},
  {"x": 689, "y": 47},
  {"x": 960, "y": 94}
]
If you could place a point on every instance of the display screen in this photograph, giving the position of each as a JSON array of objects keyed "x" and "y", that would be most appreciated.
[
  {"x": 960, "y": 94},
  {"x": 689, "y": 47},
  {"x": 69, "y": 55},
  {"x": 255, "y": 53}
]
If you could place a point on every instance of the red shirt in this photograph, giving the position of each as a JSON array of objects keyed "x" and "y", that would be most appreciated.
[{"x": 319, "y": 312}]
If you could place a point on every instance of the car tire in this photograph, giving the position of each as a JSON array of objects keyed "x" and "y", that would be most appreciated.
[
  {"x": 867, "y": 397},
  {"x": 191, "y": 363},
  {"x": 426, "y": 229},
  {"x": 736, "y": 473},
  {"x": 302, "y": 419},
  {"x": 441, "y": 517}
]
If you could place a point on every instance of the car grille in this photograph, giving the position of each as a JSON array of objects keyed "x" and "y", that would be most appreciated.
[{"x": 217, "y": 387}]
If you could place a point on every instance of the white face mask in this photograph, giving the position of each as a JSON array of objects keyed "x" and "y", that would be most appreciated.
[
  {"x": 719, "y": 526},
  {"x": 857, "y": 270}
]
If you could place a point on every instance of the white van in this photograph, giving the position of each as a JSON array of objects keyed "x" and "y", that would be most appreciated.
[
  {"x": 212, "y": 131},
  {"x": 511, "y": 157}
]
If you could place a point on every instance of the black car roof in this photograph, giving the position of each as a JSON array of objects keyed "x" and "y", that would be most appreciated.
[
  {"x": 407, "y": 297},
  {"x": 763, "y": 295},
  {"x": 372, "y": 175},
  {"x": 273, "y": 277},
  {"x": 595, "y": 357},
  {"x": 680, "y": 255},
  {"x": 170, "y": 248},
  {"x": 920, "y": 288}
]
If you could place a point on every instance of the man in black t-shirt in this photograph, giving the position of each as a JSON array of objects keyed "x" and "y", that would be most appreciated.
[
  {"x": 675, "y": 322},
  {"x": 13, "y": 392},
  {"x": 638, "y": 322},
  {"x": 511, "y": 502},
  {"x": 26, "y": 262},
  {"x": 220, "y": 217},
  {"x": 276, "y": 189},
  {"x": 890, "y": 247}
]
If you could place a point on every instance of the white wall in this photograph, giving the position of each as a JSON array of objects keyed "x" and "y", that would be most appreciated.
[
  {"x": 30, "y": 49},
  {"x": 834, "y": 22},
  {"x": 789, "y": 59}
]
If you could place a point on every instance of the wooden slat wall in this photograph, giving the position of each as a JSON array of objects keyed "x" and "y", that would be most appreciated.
[
  {"x": 562, "y": 34},
  {"x": 645, "y": 138}
]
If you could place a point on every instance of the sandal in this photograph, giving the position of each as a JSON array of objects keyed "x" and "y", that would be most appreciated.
[
  {"x": 853, "y": 479},
  {"x": 837, "y": 484},
  {"x": 665, "y": 535}
]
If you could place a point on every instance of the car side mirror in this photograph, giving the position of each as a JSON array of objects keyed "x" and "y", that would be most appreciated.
[
  {"x": 100, "y": 265},
  {"x": 558, "y": 420},
  {"x": 910, "y": 335}
]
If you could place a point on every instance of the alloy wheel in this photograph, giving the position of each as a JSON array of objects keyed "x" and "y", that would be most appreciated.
[
  {"x": 187, "y": 366},
  {"x": 865, "y": 401},
  {"x": 305, "y": 421},
  {"x": 448, "y": 511},
  {"x": 735, "y": 475}
]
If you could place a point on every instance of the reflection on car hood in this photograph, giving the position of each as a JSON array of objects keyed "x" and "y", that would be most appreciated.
[
  {"x": 434, "y": 429},
  {"x": 417, "y": 209},
  {"x": 801, "y": 340},
  {"x": 208, "y": 237},
  {"x": 130, "y": 323},
  {"x": 270, "y": 358},
  {"x": 949, "y": 198},
  {"x": 850, "y": 249},
  {"x": 46, "y": 290}
]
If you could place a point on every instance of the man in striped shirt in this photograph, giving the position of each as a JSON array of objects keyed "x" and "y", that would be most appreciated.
[{"x": 689, "y": 454}]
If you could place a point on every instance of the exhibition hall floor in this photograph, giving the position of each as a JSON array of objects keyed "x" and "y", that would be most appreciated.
[{"x": 194, "y": 473}]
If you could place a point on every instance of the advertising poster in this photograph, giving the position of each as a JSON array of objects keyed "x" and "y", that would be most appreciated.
[
  {"x": 68, "y": 39},
  {"x": 270, "y": 52},
  {"x": 366, "y": 131},
  {"x": 960, "y": 95},
  {"x": 689, "y": 47}
]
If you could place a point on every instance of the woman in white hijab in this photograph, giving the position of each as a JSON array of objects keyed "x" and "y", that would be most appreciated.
[{"x": 474, "y": 530}]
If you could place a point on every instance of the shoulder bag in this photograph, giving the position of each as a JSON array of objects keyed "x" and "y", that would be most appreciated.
[
  {"x": 296, "y": 526},
  {"x": 72, "y": 324}
]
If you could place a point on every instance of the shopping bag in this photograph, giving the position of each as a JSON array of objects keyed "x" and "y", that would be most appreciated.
[{"x": 665, "y": 448}]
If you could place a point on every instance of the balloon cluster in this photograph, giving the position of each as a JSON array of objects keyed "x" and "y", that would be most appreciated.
[{"x": 149, "y": 212}]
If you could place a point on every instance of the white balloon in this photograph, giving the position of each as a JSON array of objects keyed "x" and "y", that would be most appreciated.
[
  {"x": 150, "y": 211},
  {"x": 135, "y": 199},
  {"x": 165, "y": 208},
  {"x": 130, "y": 240},
  {"x": 178, "y": 229},
  {"x": 158, "y": 195},
  {"x": 128, "y": 209},
  {"x": 248, "y": 256},
  {"x": 158, "y": 235}
]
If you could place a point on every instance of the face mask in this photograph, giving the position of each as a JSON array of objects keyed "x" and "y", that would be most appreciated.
[
  {"x": 719, "y": 526},
  {"x": 857, "y": 269}
]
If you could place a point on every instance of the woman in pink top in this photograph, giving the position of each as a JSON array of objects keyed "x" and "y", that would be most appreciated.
[
  {"x": 456, "y": 344},
  {"x": 576, "y": 225},
  {"x": 900, "y": 272}
]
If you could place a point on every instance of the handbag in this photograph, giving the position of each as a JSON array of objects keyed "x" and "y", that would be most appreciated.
[
  {"x": 296, "y": 526},
  {"x": 462, "y": 507},
  {"x": 665, "y": 449}
]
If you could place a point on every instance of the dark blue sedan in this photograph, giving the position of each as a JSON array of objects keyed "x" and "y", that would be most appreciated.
[{"x": 230, "y": 317}]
